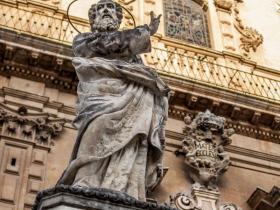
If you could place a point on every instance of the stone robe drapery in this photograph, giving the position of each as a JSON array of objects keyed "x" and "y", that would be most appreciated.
[{"x": 121, "y": 111}]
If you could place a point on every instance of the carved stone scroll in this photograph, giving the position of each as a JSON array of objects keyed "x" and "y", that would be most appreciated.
[
  {"x": 250, "y": 38},
  {"x": 183, "y": 202}
]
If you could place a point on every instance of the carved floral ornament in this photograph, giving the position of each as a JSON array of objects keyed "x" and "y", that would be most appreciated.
[
  {"x": 38, "y": 128},
  {"x": 250, "y": 38}
]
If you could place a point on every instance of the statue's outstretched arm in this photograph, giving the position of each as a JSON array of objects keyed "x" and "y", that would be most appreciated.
[{"x": 154, "y": 24}]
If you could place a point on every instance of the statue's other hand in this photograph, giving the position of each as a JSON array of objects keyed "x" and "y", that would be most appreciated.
[{"x": 154, "y": 24}]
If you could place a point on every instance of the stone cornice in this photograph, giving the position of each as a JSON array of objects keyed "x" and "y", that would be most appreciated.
[
  {"x": 258, "y": 125},
  {"x": 38, "y": 128},
  {"x": 178, "y": 137},
  {"x": 261, "y": 199},
  {"x": 60, "y": 107},
  {"x": 257, "y": 118}
]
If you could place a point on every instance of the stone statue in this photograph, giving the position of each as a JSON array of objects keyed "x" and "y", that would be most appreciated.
[
  {"x": 121, "y": 109},
  {"x": 203, "y": 148}
]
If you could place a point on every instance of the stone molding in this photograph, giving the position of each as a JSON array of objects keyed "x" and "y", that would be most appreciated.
[
  {"x": 224, "y": 4},
  {"x": 262, "y": 121},
  {"x": 199, "y": 198},
  {"x": 241, "y": 127},
  {"x": 62, "y": 75},
  {"x": 240, "y": 157},
  {"x": 203, "y": 4},
  {"x": 38, "y": 128},
  {"x": 261, "y": 199},
  {"x": 104, "y": 195},
  {"x": 45, "y": 101}
]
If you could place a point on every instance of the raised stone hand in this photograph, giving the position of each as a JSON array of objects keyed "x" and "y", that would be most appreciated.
[{"x": 154, "y": 24}]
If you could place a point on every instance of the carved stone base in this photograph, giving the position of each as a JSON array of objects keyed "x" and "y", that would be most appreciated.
[
  {"x": 73, "y": 198},
  {"x": 207, "y": 200}
]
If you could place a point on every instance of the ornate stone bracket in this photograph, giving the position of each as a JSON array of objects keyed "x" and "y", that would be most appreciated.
[
  {"x": 198, "y": 199},
  {"x": 203, "y": 147},
  {"x": 250, "y": 39},
  {"x": 38, "y": 128}
]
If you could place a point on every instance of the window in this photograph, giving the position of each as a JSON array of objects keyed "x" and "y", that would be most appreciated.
[{"x": 186, "y": 20}]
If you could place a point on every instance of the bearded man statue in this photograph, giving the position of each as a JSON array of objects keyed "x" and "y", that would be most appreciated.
[{"x": 121, "y": 109}]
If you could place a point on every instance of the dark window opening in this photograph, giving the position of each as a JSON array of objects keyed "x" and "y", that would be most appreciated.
[{"x": 13, "y": 162}]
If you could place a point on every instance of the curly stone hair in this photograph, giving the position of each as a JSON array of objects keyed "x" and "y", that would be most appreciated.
[{"x": 93, "y": 9}]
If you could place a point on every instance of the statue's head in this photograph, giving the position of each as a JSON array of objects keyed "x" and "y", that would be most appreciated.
[{"x": 106, "y": 15}]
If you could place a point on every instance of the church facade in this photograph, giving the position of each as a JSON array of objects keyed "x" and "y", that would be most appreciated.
[{"x": 215, "y": 55}]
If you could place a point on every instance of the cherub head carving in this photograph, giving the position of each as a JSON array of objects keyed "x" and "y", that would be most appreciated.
[{"x": 106, "y": 15}]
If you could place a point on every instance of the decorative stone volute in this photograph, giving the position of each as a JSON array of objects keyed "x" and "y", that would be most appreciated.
[
  {"x": 184, "y": 202},
  {"x": 38, "y": 128},
  {"x": 200, "y": 200},
  {"x": 203, "y": 146}
]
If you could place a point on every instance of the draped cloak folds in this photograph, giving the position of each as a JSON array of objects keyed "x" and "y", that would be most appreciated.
[{"x": 121, "y": 112}]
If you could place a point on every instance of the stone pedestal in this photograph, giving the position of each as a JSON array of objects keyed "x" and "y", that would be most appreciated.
[
  {"x": 207, "y": 200},
  {"x": 72, "y": 198}
]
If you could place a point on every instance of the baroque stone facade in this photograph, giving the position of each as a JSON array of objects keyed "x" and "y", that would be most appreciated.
[{"x": 240, "y": 86}]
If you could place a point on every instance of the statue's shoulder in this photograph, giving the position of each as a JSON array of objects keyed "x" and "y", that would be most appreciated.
[{"x": 82, "y": 36}]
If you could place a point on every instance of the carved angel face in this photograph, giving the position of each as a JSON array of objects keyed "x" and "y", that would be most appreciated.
[{"x": 106, "y": 16}]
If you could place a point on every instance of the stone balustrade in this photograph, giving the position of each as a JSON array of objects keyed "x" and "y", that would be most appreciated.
[{"x": 170, "y": 57}]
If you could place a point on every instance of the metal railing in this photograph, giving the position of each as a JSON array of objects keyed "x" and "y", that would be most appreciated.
[
  {"x": 209, "y": 68},
  {"x": 36, "y": 22}
]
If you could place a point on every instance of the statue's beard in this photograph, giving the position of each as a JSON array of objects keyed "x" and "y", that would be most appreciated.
[{"x": 106, "y": 24}]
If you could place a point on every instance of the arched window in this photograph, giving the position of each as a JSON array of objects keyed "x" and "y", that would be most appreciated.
[{"x": 186, "y": 20}]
